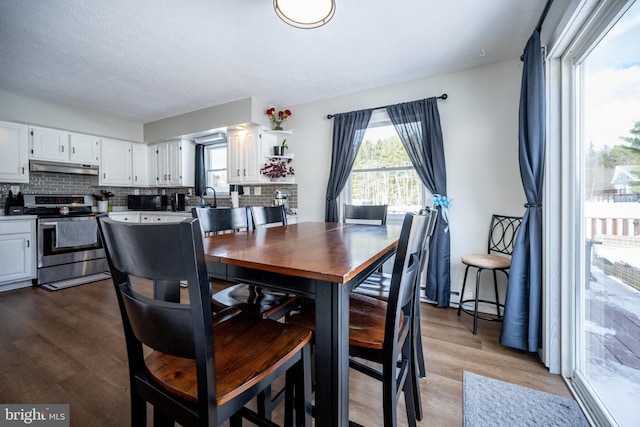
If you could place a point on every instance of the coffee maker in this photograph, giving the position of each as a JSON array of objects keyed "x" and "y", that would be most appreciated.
[{"x": 177, "y": 202}]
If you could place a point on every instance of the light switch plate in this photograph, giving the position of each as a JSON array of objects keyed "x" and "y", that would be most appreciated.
[
  {"x": 15, "y": 189},
  {"x": 257, "y": 191}
]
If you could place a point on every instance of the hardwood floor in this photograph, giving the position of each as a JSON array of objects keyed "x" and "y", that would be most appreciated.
[{"x": 68, "y": 347}]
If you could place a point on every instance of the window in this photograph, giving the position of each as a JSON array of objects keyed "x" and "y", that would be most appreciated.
[
  {"x": 215, "y": 156},
  {"x": 382, "y": 173}
]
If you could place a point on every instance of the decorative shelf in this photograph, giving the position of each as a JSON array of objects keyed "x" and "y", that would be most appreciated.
[
  {"x": 286, "y": 156},
  {"x": 280, "y": 132}
]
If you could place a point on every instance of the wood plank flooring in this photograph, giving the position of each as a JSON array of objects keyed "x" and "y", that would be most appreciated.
[{"x": 67, "y": 347}]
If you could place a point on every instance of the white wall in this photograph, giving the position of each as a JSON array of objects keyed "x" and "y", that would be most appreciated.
[
  {"x": 32, "y": 111},
  {"x": 480, "y": 130}
]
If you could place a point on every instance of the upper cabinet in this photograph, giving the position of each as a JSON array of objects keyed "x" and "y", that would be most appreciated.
[
  {"x": 124, "y": 163},
  {"x": 140, "y": 159},
  {"x": 84, "y": 149},
  {"x": 247, "y": 150},
  {"x": 60, "y": 146},
  {"x": 14, "y": 146},
  {"x": 174, "y": 164},
  {"x": 116, "y": 165}
]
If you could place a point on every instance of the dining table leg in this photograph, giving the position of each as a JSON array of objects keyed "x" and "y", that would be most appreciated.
[{"x": 332, "y": 355}]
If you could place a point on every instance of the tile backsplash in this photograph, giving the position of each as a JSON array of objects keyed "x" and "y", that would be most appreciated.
[{"x": 61, "y": 183}]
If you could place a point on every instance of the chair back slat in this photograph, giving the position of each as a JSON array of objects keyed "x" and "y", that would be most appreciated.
[
  {"x": 163, "y": 326},
  {"x": 502, "y": 234},
  {"x": 365, "y": 213},
  {"x": 267, "y": 215},
  {"x": 220, "y": 220}
]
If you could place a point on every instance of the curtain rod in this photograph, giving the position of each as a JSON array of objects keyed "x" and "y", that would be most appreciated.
[{"x": 443, "y": 96}]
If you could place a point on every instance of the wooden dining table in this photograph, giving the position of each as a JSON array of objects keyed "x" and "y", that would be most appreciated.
[{"x": 318, "y": 260}]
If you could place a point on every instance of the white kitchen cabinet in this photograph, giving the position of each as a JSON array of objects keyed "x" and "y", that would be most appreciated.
[
  {"x": 59, "y": 146},
  {"x": 125, "y": 216},
  {"x": 247, "y": 150},
  {"x": 17, "y": 253},
  {"x": 175, "y": 163},
  {"x": 140, "y": 160},
  {"x": 84, "y": 149},
  {"x": 115, "y": 163},
  {"x": 14, "y": 146},
  {"x": 157, "y": 218},
  {"x": 49, "y": 144}
]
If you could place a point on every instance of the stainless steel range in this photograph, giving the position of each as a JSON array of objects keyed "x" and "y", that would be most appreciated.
[{"x": 70, "y": 252}]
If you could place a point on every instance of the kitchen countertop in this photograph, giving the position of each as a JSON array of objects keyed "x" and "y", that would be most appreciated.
[
  {"x": 171, "y": 213},
  {"x": 4, "y": 217}
]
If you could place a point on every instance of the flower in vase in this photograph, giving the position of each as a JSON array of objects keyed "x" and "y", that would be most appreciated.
[{"x": 277, "y": 168}]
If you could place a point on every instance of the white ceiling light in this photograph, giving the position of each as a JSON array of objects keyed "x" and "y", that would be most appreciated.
[{"x": 305, "y": 13}]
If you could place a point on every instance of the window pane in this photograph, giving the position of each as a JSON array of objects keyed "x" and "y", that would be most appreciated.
[
  {"x": 217, "y": 157},
  {"x": 383, "y": 174},
  {"x": 216, "y": 165},
  {"x": 400, "y": 189},
  {"x": 610, "y": 289},
  {"x": 381, "y": 148}
]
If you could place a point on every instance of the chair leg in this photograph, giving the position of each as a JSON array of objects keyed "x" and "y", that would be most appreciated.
[
  {"x": 495, "y": 288},
  {"x": 265, "y": 406},
  {"x": 410, "y": 387},
  {"x": 138, "y": 411},
  {"x": 304, "y": 392},
  {"x": 160, "y": 419},
  {"x": 464, "y": 285},
  {"x": 235, "y": 420},
  {"x": 475, "y": 310},
  {"x": 298, "y": 392}
]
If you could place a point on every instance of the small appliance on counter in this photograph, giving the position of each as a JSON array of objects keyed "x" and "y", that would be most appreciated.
[
  {"x": 280, "y": 199},
  {"x": 143, "y": 202},
  {"x": 177, "y": 202},
  {"x": 14, "y": 205}
]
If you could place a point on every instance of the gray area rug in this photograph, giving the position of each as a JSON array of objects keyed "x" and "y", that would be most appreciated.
[{"x": 490, "y": 402}]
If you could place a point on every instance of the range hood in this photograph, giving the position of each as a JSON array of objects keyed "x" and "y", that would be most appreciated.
[{"x": 60, "y": 167}]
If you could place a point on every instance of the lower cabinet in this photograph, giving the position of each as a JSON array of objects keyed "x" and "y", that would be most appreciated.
[
  {"x": 125, "y": 216},
  {"x": 17, "y": 253},
  {"x": 148, "y": 218}
]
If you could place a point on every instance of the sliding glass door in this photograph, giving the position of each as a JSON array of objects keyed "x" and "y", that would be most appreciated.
[{"x": 607, "y": 215}]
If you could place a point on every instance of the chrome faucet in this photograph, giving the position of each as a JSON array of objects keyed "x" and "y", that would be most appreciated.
[{"x": 215, "y": 197}]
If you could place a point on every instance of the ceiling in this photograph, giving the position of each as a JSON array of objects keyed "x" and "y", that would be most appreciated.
[{"x": 145, "y": 60}]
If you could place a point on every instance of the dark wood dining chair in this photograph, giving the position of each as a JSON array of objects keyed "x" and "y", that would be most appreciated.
[
  {"x": 502, "y": 236},
  {"x": 267, "y": 303},
  {"x": 370, "y": 214},
  {"x": 202, "y": 369},
  {"x": 381, "y": 331},
  {"x": 262, "y": 216},
  {"x": 379, "y": 285}
]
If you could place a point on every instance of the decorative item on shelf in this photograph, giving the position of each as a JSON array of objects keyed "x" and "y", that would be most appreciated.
[
  {"x": 276, "y": 169},
  {"x": 278, "y": 118},
  {"x": 278, "y": 150},
  {"x": 104, "y": 202}
]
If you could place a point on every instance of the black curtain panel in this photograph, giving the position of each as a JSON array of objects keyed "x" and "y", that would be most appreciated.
[
  {"x": 418, "y": 125},
  {"x": 522, "y": 327},
  {"x": 348, "y": 132},
  {"x": 201, "y": 172}
]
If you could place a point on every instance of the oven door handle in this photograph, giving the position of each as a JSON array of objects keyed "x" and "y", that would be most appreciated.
[{"x": 47, "y": 224}]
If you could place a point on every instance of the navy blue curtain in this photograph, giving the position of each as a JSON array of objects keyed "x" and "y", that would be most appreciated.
[
  {"x": 200, "y": 171},
  {"x": 418, "y": 125},
  {"x": 348, "y": 132},
  {"x": 522, "y": 325}
]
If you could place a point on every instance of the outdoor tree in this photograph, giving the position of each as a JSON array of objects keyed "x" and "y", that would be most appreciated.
[{"x": 634, "y": 139}]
